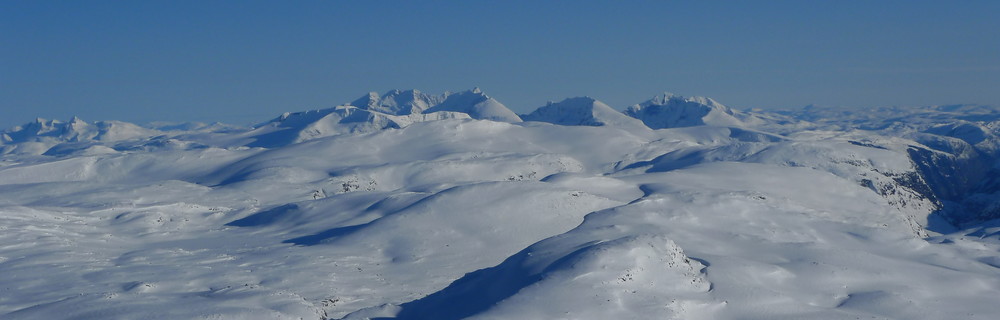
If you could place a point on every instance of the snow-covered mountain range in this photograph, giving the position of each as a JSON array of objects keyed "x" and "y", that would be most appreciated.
[{"x": 409, "y": 205}]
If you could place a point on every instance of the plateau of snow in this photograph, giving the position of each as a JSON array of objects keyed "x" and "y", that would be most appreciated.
[{"x": 408, "y": 205}]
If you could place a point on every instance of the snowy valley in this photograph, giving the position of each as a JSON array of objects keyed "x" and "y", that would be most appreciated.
[{"x": 407, "y": 205}]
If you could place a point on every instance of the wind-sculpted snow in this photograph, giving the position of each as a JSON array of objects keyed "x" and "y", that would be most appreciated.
[{"x": 415, "y": 206}]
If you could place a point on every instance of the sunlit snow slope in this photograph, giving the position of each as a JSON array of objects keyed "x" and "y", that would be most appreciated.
[{"x": 415, "y": 206}]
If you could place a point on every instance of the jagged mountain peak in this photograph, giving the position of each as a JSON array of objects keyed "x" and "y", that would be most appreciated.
[
  {"x": 669, "y": 110},
  {"x": 41, "y": 128},
  {"x": 474, "y": 93},
  {"x": 45, "y": 134},
  {"x": 393, "y": 110},
  {"x": 675, "y": 100},
  {"x": 669, "y": 97},
  {"x": 404, "y": 102},
  {"x": 397, "y": 102}
]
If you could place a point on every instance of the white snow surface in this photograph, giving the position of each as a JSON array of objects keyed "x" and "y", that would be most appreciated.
[
  {"x": 408, "y": 206},
  {"x": 477, "y": 105},
  {"x": 580, "y": 111},
  {"x": 673, "y": 111}
]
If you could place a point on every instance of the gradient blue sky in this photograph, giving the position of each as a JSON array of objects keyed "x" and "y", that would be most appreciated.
[{"x": 248, "y": 61}]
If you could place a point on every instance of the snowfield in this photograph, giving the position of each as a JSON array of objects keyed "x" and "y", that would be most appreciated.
[{"x": 416, "y": 206}]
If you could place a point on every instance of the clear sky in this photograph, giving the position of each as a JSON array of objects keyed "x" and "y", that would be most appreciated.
[{"x": 248, "y": 61}]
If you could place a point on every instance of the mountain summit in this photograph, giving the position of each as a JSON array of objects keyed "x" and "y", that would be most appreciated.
[
  {"x": 579, "y": 111},
  {"x": 477, "y": 105},
  {"x": 396, "y": 102},
  {"x": 393, "y": 110},
  {"x": 672, "y": 111}
]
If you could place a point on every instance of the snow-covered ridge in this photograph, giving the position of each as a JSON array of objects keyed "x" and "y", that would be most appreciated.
[
  {"x": 580, "y": 111},
  {"x": 393, "y": 110},
  {"x": 673, "y": 111},
  {"x": 413, "y": 206},
  {"x": 473, "y": 102},
  {"x": 477, "y": 105},
  {"x": 370, "y": 113},
  {"x": 75, "y": 130}
]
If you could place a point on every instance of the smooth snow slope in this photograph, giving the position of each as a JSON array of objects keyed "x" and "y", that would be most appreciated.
[{"x": 324, "y": 215}]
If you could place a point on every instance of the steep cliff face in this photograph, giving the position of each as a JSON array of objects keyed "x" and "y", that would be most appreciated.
[
  {"x": 963, "y": 183},
  {"x": 954, "y": 151}
]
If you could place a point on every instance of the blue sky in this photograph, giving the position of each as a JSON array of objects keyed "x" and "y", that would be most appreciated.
[{"x": 248, "y": 61}]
